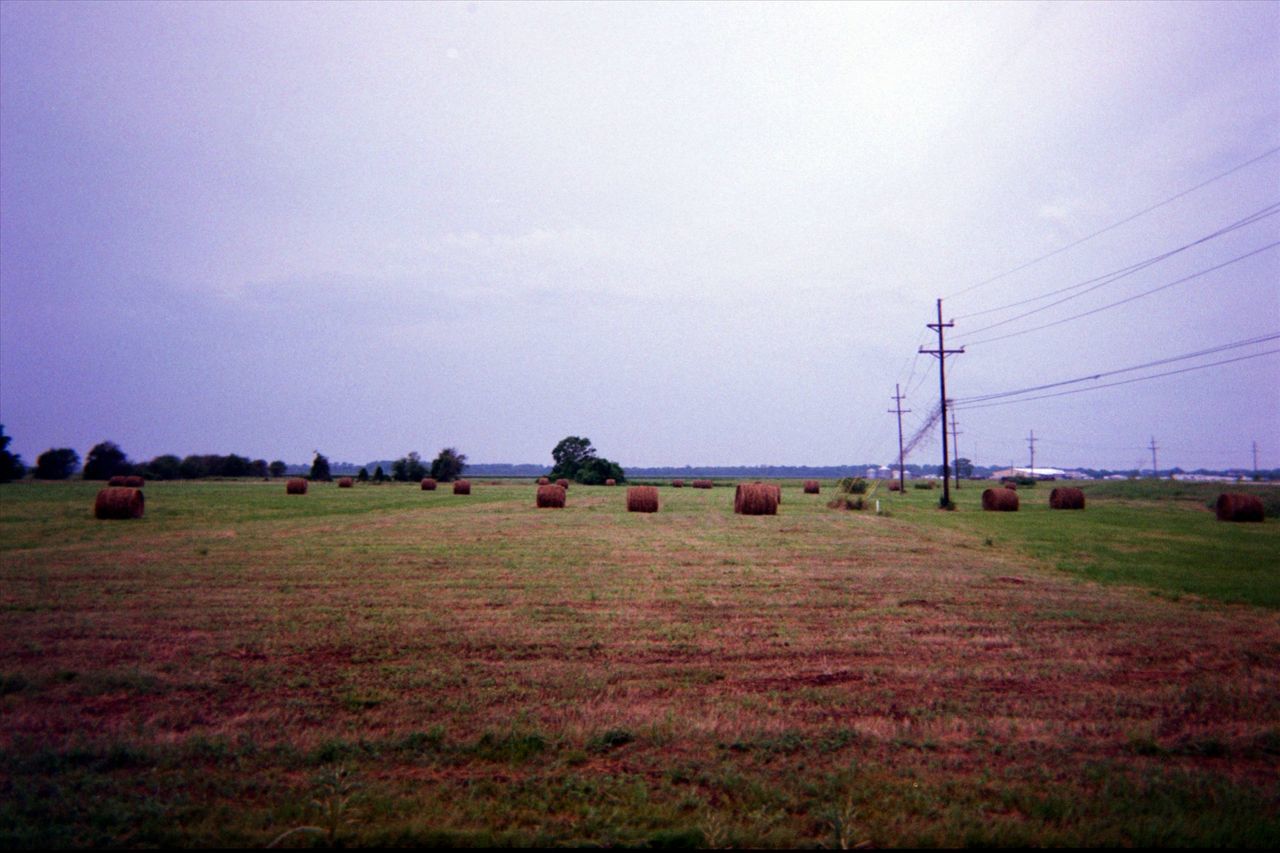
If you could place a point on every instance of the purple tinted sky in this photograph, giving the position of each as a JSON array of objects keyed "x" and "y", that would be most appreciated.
[{"x": 706, "y": 234}]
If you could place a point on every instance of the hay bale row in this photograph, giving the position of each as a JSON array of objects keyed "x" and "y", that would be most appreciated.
[
  {"x": 755, "y": 499},
  {"x": 550, "y": 497},
  {"x": 346, "y": 483},
  {"x": 462, "y": 487},
  {"x": 295, "y": 486},
  {"x": 811, "y": 487},
  {"x": 1000, "y": 500},
  {"x": 677, "y": 484},
  {"x": 895, "y": 486},
  {"x": 1238, "y": 507},
  {"x": 428, "y": 484},
  {"x": 1066, "y": 497},
  {"x": 702, "y": 484},
  {"x": 611, "y": 482},
  {"x": 118, "y": 502},
  {"x": 544, "y": 481},
  {"x": 642, "y": 499},
  {"x": 562, "y": 483}
]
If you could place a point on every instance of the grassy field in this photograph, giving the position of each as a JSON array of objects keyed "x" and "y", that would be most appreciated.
[{"x": 387, "y": 666}]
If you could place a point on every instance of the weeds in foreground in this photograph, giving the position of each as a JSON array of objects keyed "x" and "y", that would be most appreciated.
[{"x": 336, "y": 790}]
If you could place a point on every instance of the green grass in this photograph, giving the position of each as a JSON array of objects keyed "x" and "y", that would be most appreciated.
[{"x": 396, "y": 667}]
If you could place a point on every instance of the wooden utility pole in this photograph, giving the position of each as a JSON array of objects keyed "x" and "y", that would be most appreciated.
[
  {"x": 941, "y": 354},
  {"x": 898, "y": 398},
  {"x": 1155, "y": 470},
  {"x": 1031, "y": 442},
  {"x": 1255, "y": 460},
  {"x": 955, "y": 447}
]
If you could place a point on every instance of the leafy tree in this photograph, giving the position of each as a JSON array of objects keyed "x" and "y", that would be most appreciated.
[
  {"x": 57, "y": 464},
  {"x": 964, "y": 468},
  {"x": 409, "y": 468},
  {"x": 194, "y": 466},
  {"x": 449, "y": 465},
  {"x": 105, "y": 461},
  {"x": 363, "y": 475},
  {"x": 379, "y": 475},
  {"x": 165, "y": 467},
  {"x": 11, "y": 467},
  {"x": 278, "y": 468},
  {"x": 320, "y": 468},
  {"x": 569, "y": 455},
  {"x": 594, "y": 472}
]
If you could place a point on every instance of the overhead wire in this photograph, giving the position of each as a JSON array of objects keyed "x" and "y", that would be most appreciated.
[
  {"x": 1115, "y": 275},
  {"x": 1126, "y": 300},
  {"x": 1122, "y": 382},
  {"x": 1115, "y": 225}
]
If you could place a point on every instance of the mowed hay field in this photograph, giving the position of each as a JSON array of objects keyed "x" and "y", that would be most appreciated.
[{"x": 386, "y": 665}]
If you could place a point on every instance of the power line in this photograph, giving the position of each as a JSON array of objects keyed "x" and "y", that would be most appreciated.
[
  {"x": 1116, "y": 275},
  {"x": 1123, "y": 381},
  {"x": 982, "y": 398},
  {"x": 1115, "y": 225},
  {"x": 1126, "y": 299}
]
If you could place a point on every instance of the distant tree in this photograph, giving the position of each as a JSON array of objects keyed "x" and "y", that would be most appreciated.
[
  {"x": 259, "y": 468},
  {"x": 233, "y": 465},
  {"x": 379, "y": 475},
  {"x": 278, "y": 468},
  {"x": 11, "y": 467},
  {"x": 165, "y": 467},
  {"x": 964, "y": 468},
  {"x": 569, "y": 455},
  {"x": 57, "y": 463},
  {"x": 363, "y": 475},
  {"x": 320, "y": 468},
  {"x": 596, "y": 470},
  {"x": 194, "y": 466},
  {"x": 409, "y": 468},
  {"x": 105, "y": 461},
  {"x": 449, "y": 465}
]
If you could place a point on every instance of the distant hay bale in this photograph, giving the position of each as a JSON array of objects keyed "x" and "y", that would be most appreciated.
[
  {"x": 1238, "y": 507},
  {"x": 611, "y": 482},
  {"x": 134, "y": 481},
  {"x": 895, "y": 486},
  {"x": 755, "y": 499},
  {"x": 642, "y": 499},
  {"x": 811, "y": 487},
  {"x": 346, "y": 483},
  {"x": 462, "y": 487},
  {"x": 677, "y": 484},
  {"x": 117, "y": 480},
  {"x": 428, "y": 484},
  {"x": 702, "y": 484},
  {"x": 118, "y": 502},
  {"x": 296, "y": 486},
  {"x": 544, "y": 481},
  {"x": 550, "y": 497},
  {"x": 562, "y": 483},
  {"x": 1065, "y": 497},
  {"x": 1011, "y": 485},
  {"x": 1000, "y": 500}
]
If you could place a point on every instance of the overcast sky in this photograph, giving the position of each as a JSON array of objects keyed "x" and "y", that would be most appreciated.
[{"x": 694, "y": 233}]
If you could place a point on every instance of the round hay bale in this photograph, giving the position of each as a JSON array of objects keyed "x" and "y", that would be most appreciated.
[
  {"x": 755, "y": 499},
  {"x": 1065, "y": 497},
  {"x": 544, "y": 481},
  {"x": 550, "y": 497},
  {"x": 1238, "y": 507},
  {"x": 1011, "y": 485},
  {"x": 295, "y": 486},
  {"x": 611, "y": 482},
  {"x": 118, "y": 502},
  {"x": 895, "y": 486},
  {"x": 811, "y": 487},
  {"x": 642, "y": 499},
  {"x": 428, "y": 484},
  {"x": 134, "y": 481},
  {"x": 1000, "y": 500},
  {"x": 462, "y": 487},
  {"x": 677, "y": 484},
  {"x": 117, "y": 480},
  {"x": 346, "y": 483},
  {"x": 702, "y": 484},
  {"x": 562, "y": 483}
]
